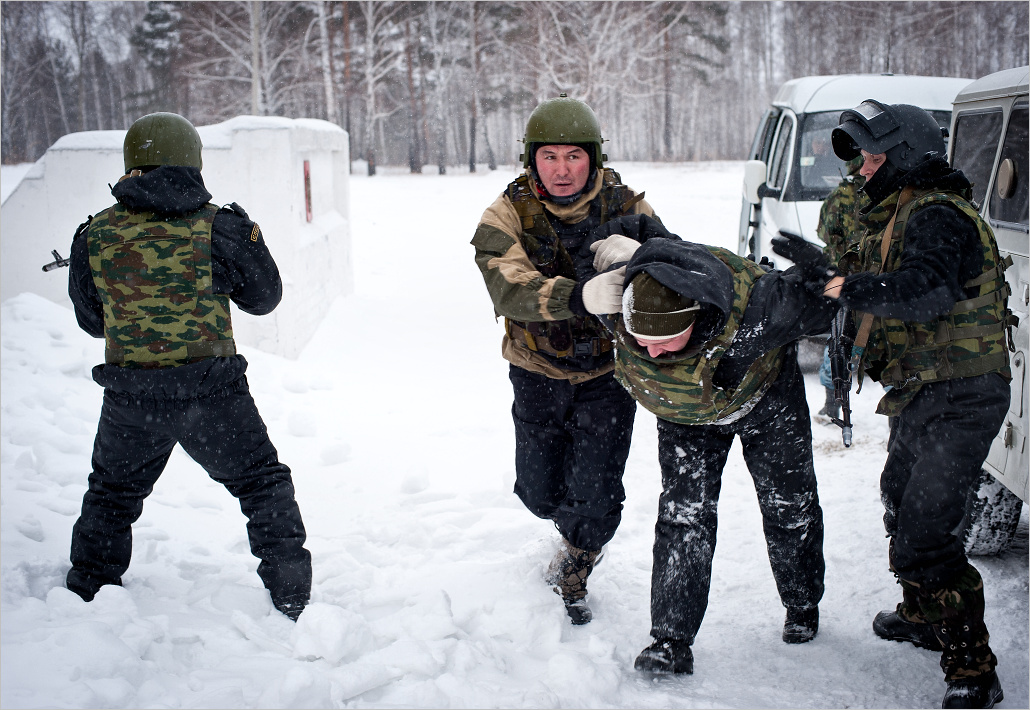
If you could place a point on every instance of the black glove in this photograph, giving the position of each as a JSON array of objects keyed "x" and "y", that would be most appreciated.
[{"x": 815, "y": 267}]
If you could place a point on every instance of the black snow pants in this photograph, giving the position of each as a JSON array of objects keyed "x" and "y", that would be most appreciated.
[
  {"x": 776, "y": 438},
  {"x": 571, "y": 445},
  {"x": 936, "y": 449},
  {"x": 224, "y": 433}
]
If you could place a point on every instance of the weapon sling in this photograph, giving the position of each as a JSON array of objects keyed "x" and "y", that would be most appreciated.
[{"x": 866, "y": 325}]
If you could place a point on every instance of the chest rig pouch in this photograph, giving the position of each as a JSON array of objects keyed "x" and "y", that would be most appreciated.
[
  {"x": 580, "y": 336},
  {"x": 154, "y": 279}
]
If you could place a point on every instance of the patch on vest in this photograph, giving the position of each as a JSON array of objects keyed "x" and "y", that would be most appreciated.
[{"x": 255, "y": 233}]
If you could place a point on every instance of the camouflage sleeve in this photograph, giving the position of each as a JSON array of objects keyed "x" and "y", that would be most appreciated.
[
  {"x": 831, "y": 227},
  {"x": 89, "y": 310},
  {"x": 518, "y": 290},
  {"x": 241, "y": 264}
]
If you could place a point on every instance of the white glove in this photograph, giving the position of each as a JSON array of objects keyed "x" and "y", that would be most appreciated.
[
  {"x": 603, "y": 293},
  {"x": 612, "y": 250}
]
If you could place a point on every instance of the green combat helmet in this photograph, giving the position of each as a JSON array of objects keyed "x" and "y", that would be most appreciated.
[
  {"x": 563, "y": 121},
  {"x": 162, "y": 139}
]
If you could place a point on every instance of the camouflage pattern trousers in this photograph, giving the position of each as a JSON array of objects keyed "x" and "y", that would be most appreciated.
[
  {"x": 936, "y": 449},
  {"x": 224, "y": 433}
]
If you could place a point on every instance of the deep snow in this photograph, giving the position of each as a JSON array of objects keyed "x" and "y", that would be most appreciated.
[{"x": 396, "y": 422}]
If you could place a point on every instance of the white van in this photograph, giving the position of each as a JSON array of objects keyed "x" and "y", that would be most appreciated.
[
  {"x": 792, "y": 168},
  {"x": 989, "y": 144}
]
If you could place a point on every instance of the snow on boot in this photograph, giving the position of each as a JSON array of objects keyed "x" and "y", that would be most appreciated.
[
  {"x": 291, "y": 606},
  {"x": 568, "y": 573},
  {"x": 981, "y": 691},
  {"x": 893, "y": 626},
  {"x": 801, "y": 625},
  {"x": 666, "y": 656}
]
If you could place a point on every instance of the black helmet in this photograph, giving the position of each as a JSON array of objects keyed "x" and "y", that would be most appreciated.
[
  {"x": 162, "y": 139},
  {"x": 907, "y": 134},
  {"x": 563, "y": 121}
]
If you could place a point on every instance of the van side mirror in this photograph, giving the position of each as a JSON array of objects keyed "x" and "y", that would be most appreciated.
[{"x": 754, "y": 182}]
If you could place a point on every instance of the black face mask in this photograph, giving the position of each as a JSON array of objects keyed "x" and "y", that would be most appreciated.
[{"x": 883, "y": 182}]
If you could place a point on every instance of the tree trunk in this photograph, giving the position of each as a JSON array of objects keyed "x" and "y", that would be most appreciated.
[
  {"x": 256, "y": 107},
  {"x": 474, "y": 60},
  {"x": 414, "y": 149},
  {"x": 327, "y": 66}
]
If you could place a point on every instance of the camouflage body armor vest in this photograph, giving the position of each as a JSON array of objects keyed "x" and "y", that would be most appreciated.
[
  {"x": 968, "y": 341},
  {"x": 154, "y": 280},
  {"x": 577, "y": 336},
  {"x": 679, "y": 389}
]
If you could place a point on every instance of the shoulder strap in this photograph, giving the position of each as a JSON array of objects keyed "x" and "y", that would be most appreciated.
[{"x": 866, "y": 325}]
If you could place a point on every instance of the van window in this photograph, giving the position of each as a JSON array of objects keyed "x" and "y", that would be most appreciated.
[
  {"x": 974, "y": 146},
  {"x": 820, "y": 169},
  {"x": 1017, "y": 149},
  {"x": 763, "y": 139},
  {"x": 781, "y": 155}
]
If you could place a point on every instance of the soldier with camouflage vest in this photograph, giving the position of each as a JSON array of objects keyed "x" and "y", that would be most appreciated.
[
  {"x": 153, "y": 275},
  {"x": 931, "y": 293},
  {"x": 572, "y": 419},
  {"x": 707, "y": 342}
]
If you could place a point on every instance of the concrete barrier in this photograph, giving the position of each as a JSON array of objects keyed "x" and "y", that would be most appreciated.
[{"x": 290, "y": 175}]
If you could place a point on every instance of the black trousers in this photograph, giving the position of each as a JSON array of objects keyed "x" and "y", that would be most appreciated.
[
  {"x": 571, "y": 445},
  {"x": 225, "y": 434},
  {"x": 936, "y": 449},
  {"x": 777, "y": 448}
]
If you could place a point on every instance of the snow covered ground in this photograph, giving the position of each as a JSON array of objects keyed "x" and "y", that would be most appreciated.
[{"x": 427, "y": 592}]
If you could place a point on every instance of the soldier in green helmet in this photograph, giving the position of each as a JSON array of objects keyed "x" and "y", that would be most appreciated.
[
  {"x": 707, "y": 341},
  {"x": 930, "y": 291},
  {"x": 572, "y": 419},
  {"x": 153, "y": 275}
]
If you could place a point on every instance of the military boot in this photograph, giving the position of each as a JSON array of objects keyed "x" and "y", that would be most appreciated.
[
  {"x": 906, "y": 622},
  {"x": 568, "y": 573},
  {"x": 981, "y": 691},
  {"x": 801, "y": 625},
  {"x": 666, "y": 656},
  {"x": 830, "y": 408},
  {"x": 957, "y": 614}
]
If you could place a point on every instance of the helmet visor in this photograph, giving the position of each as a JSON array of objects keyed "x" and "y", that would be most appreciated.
[{"x": 876, "y": 118}]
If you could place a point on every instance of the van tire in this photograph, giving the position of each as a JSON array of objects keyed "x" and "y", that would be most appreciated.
[{"x": 991, "y": 519}]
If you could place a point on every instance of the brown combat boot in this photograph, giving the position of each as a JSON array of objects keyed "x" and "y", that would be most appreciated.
[{"x": 568, "y": 573}]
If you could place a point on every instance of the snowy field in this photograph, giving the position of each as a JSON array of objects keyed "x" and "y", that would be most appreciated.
[{"x": 428, "y": 586}]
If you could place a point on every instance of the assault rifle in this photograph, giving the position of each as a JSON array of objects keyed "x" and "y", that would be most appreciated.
[
  {"x": 57, "y": 263},
  {"x": 843, "y": 364}
]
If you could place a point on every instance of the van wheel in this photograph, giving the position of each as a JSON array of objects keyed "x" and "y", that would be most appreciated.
[{"x": 992, "y": 515}]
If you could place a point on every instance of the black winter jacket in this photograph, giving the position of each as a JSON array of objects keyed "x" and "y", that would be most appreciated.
[
  {"x": 779, "y": 311},
  {"x": 941, "y": 253},
  {"x": 241, "y": 268}
]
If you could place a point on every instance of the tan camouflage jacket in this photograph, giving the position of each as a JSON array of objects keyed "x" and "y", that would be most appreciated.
[{"x": 518, "y": 290}]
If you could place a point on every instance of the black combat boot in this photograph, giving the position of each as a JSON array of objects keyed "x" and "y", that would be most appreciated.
[
  {"x": 830, "y": 408},
  {"x": 906, "y": 622},
  {"x": 291, "y": 606},
  {"x": 981, "y": 691},
  {"x": 568, "y": 573},
  {"x": 968, "y": 661},
  {"x": 801, "y": 625},
  {"x": 666, "y": 656}
]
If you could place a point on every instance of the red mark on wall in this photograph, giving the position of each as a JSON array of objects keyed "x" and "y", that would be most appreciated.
[{"x": 307, "y": 189}]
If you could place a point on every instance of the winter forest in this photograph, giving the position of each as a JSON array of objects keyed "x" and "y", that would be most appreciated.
[{"x": 451, "y": 83}]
